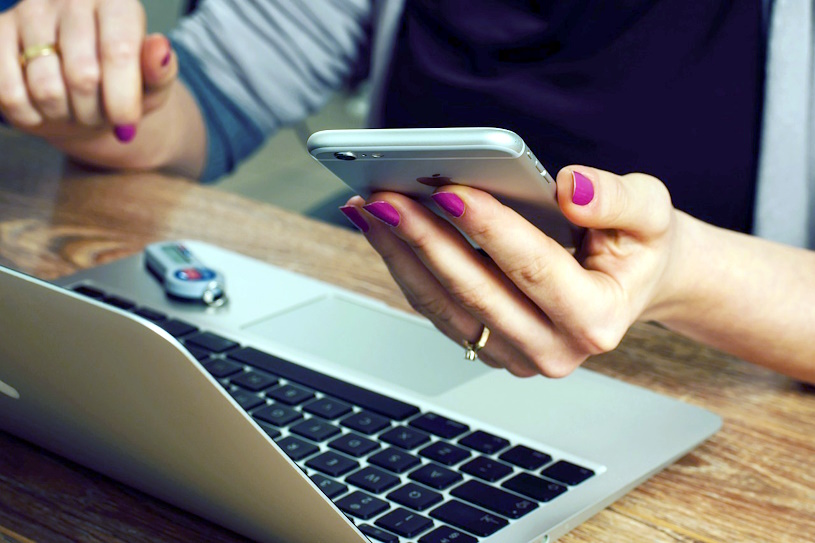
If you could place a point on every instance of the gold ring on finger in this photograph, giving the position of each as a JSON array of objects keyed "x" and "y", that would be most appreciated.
[
  {"x": 471, "y": 349},
  {"x": 37, "y": 51}
]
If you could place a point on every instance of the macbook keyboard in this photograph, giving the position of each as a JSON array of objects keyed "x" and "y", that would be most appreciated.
[{"x": 400, "y": 473}]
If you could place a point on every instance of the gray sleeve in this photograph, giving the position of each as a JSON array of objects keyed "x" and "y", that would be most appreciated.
[{"x": 277, "y": 60}]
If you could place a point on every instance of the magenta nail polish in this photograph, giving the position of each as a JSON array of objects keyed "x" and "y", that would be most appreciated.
[
  {"x": 166, "y": 60},
  {"x": 449, "y": 202},
  {"x": 356, "y": 218},
  {"x": 125, "y": 133},
  {"x": 583, "y": 189},
  {"x": 384, "y": 212}
]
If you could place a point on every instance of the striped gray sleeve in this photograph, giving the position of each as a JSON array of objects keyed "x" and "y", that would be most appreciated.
[{"x": 277, "y": 60}]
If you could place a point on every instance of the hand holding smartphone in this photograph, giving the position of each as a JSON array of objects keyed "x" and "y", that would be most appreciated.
[{"x": 415, "y": 161}]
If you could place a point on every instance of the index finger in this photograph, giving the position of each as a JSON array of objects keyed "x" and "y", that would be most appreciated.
[{"x": 121, "y": 33}]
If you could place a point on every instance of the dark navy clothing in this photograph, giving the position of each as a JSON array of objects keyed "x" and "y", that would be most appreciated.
[{"x": 672, "y": 88}]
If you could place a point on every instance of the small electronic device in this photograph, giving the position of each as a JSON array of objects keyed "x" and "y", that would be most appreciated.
[
  {"x": 416, "y": 161},
  {"x": 183, "y": 275}
]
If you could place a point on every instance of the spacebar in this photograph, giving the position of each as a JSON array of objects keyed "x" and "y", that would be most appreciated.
[{"x": 329, "y": 385}]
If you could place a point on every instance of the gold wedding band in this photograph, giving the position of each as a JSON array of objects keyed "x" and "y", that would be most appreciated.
[
  {"x": 471, "y": 349},
  {"x": 37, "y": 51}
]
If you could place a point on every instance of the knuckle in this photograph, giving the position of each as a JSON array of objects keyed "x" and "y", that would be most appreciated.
[
  {"x": 533, "y": 270},
  {"x": 119, "y": 51},
  {"x": 474, "y": 296},
  {"x": 13, "y": 97},
  {"x": 552, "y": 367},
  {"x": 595, "y": 340},
  {"x": 83, "y": 76},
  {"x": 47, "y": 92}
]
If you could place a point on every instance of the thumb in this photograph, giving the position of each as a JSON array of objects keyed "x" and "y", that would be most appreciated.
[
  {"x": 159, "y": 68},
  {"x": 635, "y": 203}
]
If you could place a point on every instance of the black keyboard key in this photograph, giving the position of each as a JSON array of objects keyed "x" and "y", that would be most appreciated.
[
  {"x": 198, "y": 354},
  {"x": 484, "y": 442},
  {"x": 534, "y": 487},
  {"x": 277, "y": 414},
  {"x": 253, "y": 380},
  {"x": 486, "y": 468},
  {"x": 246, "y": 399},
  {"x": 378, "y": 403},
  {"x": 494, "y": 499},
  {"x": 373, "y": 480},
  {"x": 315, "y": 429},
  {"x": 297, "y": 449},
  {"x": 366, "y": 422},
  {"x": 354, "y": 444},
  {"x": 121, "y": 303},
  {"x": 327, "y": 408},
  {"x": 395, "y": 460},
  {"x": 219, "y": 367},
  {"x": 211, "y": 342},
  {"x": 440, "y": 426},
  {"x": 378, "y": 534},
  {"x": 332, "y": 464},
  {"x": 273, "y": 432},
  {"x": 415, "y": 496},
  {"x": 445, "y": 453},
  {"x": 446, "y": 534},
  {"x": 435, "y": 476},
  {"x": 468, "y": 518},
  {"x": 361, "y": 505},
  {"x": 526, "y": 458},
  {"x": 404, "y": 523},
  {"x": 330, "y": 487},
  {"x": 405, "y": 437},
  {"x": 177, "y": 328},
  {"x": 566, "y": 472},
  {"x": 290, "y": 394},
  {"x": 150, "y": 314},
  {"x": 90, "y": 292}
]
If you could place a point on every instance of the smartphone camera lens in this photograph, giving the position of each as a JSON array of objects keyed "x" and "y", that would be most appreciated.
[{"x": 345, "y": 155}]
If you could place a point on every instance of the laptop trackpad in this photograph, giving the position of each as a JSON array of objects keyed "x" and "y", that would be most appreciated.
[{"x": 372, "y": 342}]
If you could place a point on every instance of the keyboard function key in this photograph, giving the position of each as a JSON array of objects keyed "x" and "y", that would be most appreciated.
[
  {"x": 119, "y": 302},
  {"x": 327, "y": 408},
  {"x": 415, "y": 496},
  {"x": 211, "y": 342},
  {"x": 486, "y": 468},
  {"x": 568, "y": 473},
  {"x": 484, "y": 442},
  {"x": 525, "y": 458},
  {"x": 466, "y": 517},
  {"x": 90, "y": 292},
  {"x": 435, "y": 476},
  {"x": 395, "y": 460},
  {"x": 330, "y": 487},
  {"x": 445, "y": 453},
  {"x": 361, "y": 505},
  {"x": 373, "y": 480},
  {"x": 404, "y": 523},
  {"x": 177, "y": 328},
  {"x": 405, "y": 437},
  {"x": 150, "y": 314},
  {"x": 366, "y": 422},
  {"x": 440, "y": 426}
]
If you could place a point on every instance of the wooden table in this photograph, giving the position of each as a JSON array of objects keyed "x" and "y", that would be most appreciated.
[{"x": 753, "y": 481}]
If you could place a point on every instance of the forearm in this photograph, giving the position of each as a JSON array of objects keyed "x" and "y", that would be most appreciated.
[
  {"x": 171, "y": 138},
  {"x": 744, "y": 295}
]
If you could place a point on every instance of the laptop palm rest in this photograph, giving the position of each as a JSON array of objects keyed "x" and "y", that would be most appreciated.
[{"x": 370, "y": 342}]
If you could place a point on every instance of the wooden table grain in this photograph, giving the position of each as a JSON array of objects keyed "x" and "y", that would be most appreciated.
[{"x": 754, "y": 481}]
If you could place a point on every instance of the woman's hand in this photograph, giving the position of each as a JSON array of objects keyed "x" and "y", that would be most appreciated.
[
  {"x": 547, "y": 310},
  {"x": 80, "y": 70}
]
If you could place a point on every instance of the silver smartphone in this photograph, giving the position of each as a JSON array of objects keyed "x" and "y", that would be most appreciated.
[{"x": 415, "y": 161}]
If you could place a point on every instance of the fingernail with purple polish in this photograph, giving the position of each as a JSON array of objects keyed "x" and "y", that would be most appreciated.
[
  {"x": 125, "y": 133},
  {"x": 449, "y": 202},
  {"x": 583, "y": 189},
  {"x": 384, "y": 212},
  {"x": 166, "y": 60},
  {"x": 356, "y": 218}
]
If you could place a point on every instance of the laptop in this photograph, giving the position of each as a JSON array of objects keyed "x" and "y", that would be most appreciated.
[{"x": 303, "y": 412}]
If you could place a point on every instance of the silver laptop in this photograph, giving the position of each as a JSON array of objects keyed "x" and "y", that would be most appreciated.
[{"x": 302, "y": 412}]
